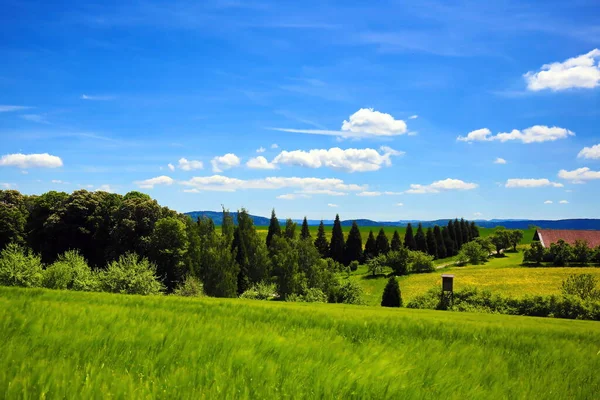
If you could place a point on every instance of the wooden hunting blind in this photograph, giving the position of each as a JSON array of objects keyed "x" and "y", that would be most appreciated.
[{"x": 447, "y": 283}]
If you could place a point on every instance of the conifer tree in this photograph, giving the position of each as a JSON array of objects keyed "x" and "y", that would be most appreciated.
[
  {"x": 336, "y": 246},
  {"x": 420, "y": 239},
  {"x": 227, "y": 226},
  {"x": 439, "y": 242},
  {"x": 458, "y": 234},
  {"x": 391, "y": 294},
  {"x": 474, "y": 230},
  {"x": 431, "y": 244},
  {"x": 321, "y": 241},
  {"x": 290, "y": 229},
  {"x": 464, "y": 228},
  {"x": 354, "y": 250},
  {"x": 381, "y": 243},
  {"x": 274, "y": 228},
  {"x": 448, "y": 242},
  {"x": 409, "y": 239},
  {"x": 451, "y": 231},
  {"x": 305, "y": 232},
  {"x": 396, "y": 243},
  {"x": 370, "y": 246}
]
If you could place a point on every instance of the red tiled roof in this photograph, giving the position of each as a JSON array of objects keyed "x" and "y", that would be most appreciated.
[{"x": 549, "y": 236}]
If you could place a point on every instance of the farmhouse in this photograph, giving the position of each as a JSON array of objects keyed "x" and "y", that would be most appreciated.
[{"x": 548, "y": 236}]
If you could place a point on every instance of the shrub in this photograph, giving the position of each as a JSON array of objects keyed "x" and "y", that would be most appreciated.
[
  {"x": 582, "y": 286},
  {"x": 473, "y": 253},
  {"x": 350, "y": 293},
  {"x": 375, "y": 265},
  {"x": 190, "y": 287},
  {"x": 72, "y": 272},
  {"x": 561, "y": 253},
  {"x": 421, "y": 262},
  {"x": 535, "y": 253},
  {"x": 582, "y": 254},
  {"x": 391, "y": 294},
  {"x": 398, "y": 261},
  {"x": 354, "y": 265},
  {"x": 130, "y": 274},
  {"x": 260, "y": 291},
  {"x": 19, "y": 267},
  {"x": 312, "y": 295}
]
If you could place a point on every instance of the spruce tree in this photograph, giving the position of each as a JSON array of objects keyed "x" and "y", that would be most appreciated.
[
  {"x": 370, "y": 247},
  {"x": 305, "y": 232},
  {"x": 274, "y": 228},
  {"x": 431, "y": 244},
  {"x": 290, "y": 229},
  {"x": 391, "y": 294},
  {"x": 381, "y": 243},
  {"x": 451, "y": 231},
  {"x": 474, "y": 230},
  {"x": 336, "y": 246},
  {"x": 242, "y": 248},
  {"x": 458, "y": 235},
  {"x": 464, "y": 228},
  {"x": 409, "y": 239},
  {"x": 321, "y": 241},
  {"x": 354, "y": 250},
  {"x": 439, "y": 242},
  {"x": 448, "y": 242},
  {"x": 396, "y": 243},
  {"x": 420, "y": 239}
]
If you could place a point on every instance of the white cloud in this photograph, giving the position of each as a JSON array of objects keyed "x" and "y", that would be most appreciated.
[
  {"x": 477, "y": 214},
  {"x": 590, "y": 152},
  {"x": 304, "y": 185},
  {"x": 530, "y": 183},
  {"x": 332, "y": 205},
  {"x": 579, "y": 175},
  {"x": 189, "y": 165},
  {"x": 548, "y": 202},
  {"x": 37, "y": 118},
  {"x": 349, "y": 160},
  {"x": 399, "y": 204},
  {"x": 229, "y": 160},
  {"x": 563, "y": 202},
  {"x": 191, "y": 191},
  {"x": 499, "y": 161},
  {"x": 19, "y": 160},
  {"x": 274, "y": 146},
  {"x": 366, "y": 122},
  {"x": 7, "y": 185},
  {"x": 171, "y": 167},
  {"x": 442, "y": 185},
  {"x": 369, "y": 194},
  {"x": 292, "y": 196},
  {"x": 260, "y": 163},
  {"x": 261, "y": 150},
  {"x": 105, "y": 188},
  {"x": 96, "y": 98},
  {"x": 578, "y": 72},
  {"x": 7, "y": 108},
  {"x": 392, "y": 193},
  {"x": 159, "y": 180},
  {"x": 323, "y": 191},
  {"x": 534, "y": 134},
  {"x": 59, "y": 182},
  {"x": 413, "y": 117}
]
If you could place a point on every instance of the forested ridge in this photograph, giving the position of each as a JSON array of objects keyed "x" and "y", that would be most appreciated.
[{"x": 111, "y": 231}]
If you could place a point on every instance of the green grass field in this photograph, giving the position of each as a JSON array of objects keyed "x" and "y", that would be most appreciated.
[{"x": 58, "y": 344}]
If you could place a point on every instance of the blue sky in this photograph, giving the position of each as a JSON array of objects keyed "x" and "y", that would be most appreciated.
[{"x": 384, "y": 110}]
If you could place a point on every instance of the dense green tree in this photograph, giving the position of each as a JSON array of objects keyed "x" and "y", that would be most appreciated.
[
  {"x": 396, "y": 243},
  {"x": 582, "y": 254},
  {"x": 168, "y": 250},
  {"x": 285, "y": 267},
  {"x": 515, "y": 237},
  {"x": 321, "y": 241},
  {"x": 535, "y": 253},
  {"x": 448, "y": 242},
  {"x": 305, "y": 232},
  {"x": 391, "y": 294},
  {"x": 465, "y": 230},
  {"x": 354, "y": 248},
  {"x": 440, "y": 244},
  {"x": 382, "y": 244},
  {"x": 220, "y": 269},
  {"x": 561, "y": 253},
  {"x": 431, "y": 243},
  {"x": 500, "y": 239},
  {"x": 370, "y": 246},
  {"x": 399, "y": 261},
  {"x": 421, "y": 240},
  {"x": 458, "y": 234},
  {"x": 336, "y": 245},
  {"x": 251, "y": 253},
  {"x": 290, "y": 229},
  {"x": 227, "y": 226},
  {"x": 452, "y": 235},
  {"x": 13, "y": 217},
  {"x": 409, "y": 239},
  {"x": 310, "y": 264},
  {"x": 474, "y": 230},
  {"x": 274, "y": 228}
]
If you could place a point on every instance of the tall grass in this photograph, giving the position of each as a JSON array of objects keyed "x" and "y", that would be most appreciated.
[{"x": 60, "y": 344}]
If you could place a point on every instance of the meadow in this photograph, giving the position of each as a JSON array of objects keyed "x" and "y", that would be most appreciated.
[{"x": 61, "y": 344}]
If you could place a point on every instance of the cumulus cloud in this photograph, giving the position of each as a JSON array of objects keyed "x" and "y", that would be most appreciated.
[
  {"x": 563, "y": 202},
  {"x": 590, "y": 152},
  {"x": 304, "y": 185},
  {"x": 261, "y": 150},
  {"x": 229, "y": 160},
  {"x": 440, "y": 186},
  {"x": 369, "y": 194},
  {"x": 578, "y": 72},
  {"x": 274, "y": 146},
  {"x": 171, "y": 167},
  {"x": 260, "y": 163},
  {"x": 332, "y": 205},
  {"x": 7, "y": 185},
  {"x": 189, "y": 165},
  {"x": 366, "y": 122},
  {"x": 579, "y": 175},
  {"x": 387, "y": 193},
  {"x": 548, "y": 202},
  {"x": 530, "y": 183},
  {"x": 19, "y": 160},
  {"x": 534, "y": 134},
  {"x": 159, "y": 180},
  {"x": 499, "y": 161},
  {"x": 105, "y": 188},
  {"x": 7, "y": 108},
  {"x": 349, "y": 160},
  {"x": 292, "y": 196}
]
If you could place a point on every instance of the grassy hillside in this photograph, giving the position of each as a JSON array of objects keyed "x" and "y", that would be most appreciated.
[
  {"x": 500, "y": 275},
  {"x": 89, "y": 345}
]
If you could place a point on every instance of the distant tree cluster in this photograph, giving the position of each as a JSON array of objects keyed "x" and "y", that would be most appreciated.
[{"x": 562, "y": 254}]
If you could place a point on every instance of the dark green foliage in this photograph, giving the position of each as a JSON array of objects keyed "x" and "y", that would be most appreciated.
[
  {"x": 290, "y": 229},
  {"x": 515, "y": 237},
  {"x": 350, "y": 292},
  {"x": 409, "y": 239},
  {"x": 535, "y": 253},
  {"x": 168, "y": 249},
  {"x": 274, "y": 228},
  {"x": 582, "y": 254},
  {"x": 465, "y": 231},
  {"x": 354, "y": 249},
  {"x": 474, "y": 230},
  {"x": 305, "y": 232},
  {"x": 448, "y": 242},
  {"x": 382, "y": 245},
  {"x": 228, "y": 227},
  {"x": 421, "y": 240},
  {"x": 561, "y": 253},
  {"x": 189, "y": 287},
  {"x": 285, "y": 266},
  {"x": 473, "y": 253},
  {"x": 500, "y": 239},
  {"x": 321, "y": 241},
  {"x": 370, "y": 246},
  {"x": 220, "y": 270},
  {"x": 399, "y": 261},
  {"x": 458, "y": 235},
  {"x": 396, "y": 242},
  {"x": 440, "y": 244},
  {"x": 13, "y": 217},
  {"x": 454, "y": 242},
  {"x": 391, "y": 294},
  {"x": 336, "y": 246},
  {"x": 431, "y": 243},
  {"x": 354, "y": 265}
]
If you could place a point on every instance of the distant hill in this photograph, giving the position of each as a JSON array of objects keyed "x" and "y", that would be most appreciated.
[{"x": 582, "y": 223}]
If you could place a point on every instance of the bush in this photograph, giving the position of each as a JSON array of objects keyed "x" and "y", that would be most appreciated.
[
  {"x": 391, "y": 294},
  {"x": 561, "y": 253},
  {"x": 260, "y": 291},
  {"x": 582, "y": 286},
  {"x": 19, "y": 267},
  {"x": 582, "y": 254},
  {"x": 421, "y": 262},
  {"x": 472, "y": 253},
  {"x": 350, "y": 293},
  {"x": 398, "y": 261},
  {"x": 535, "y": 253},
  {"x": 130, "y": 274},
  {"x": 72, "y": 272},
  {"x": 190, "y": 287},
  {"x": 354, "y": 265},
  {"x": 375, "y": 265},
  {"x": 312, "y": 295}
]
